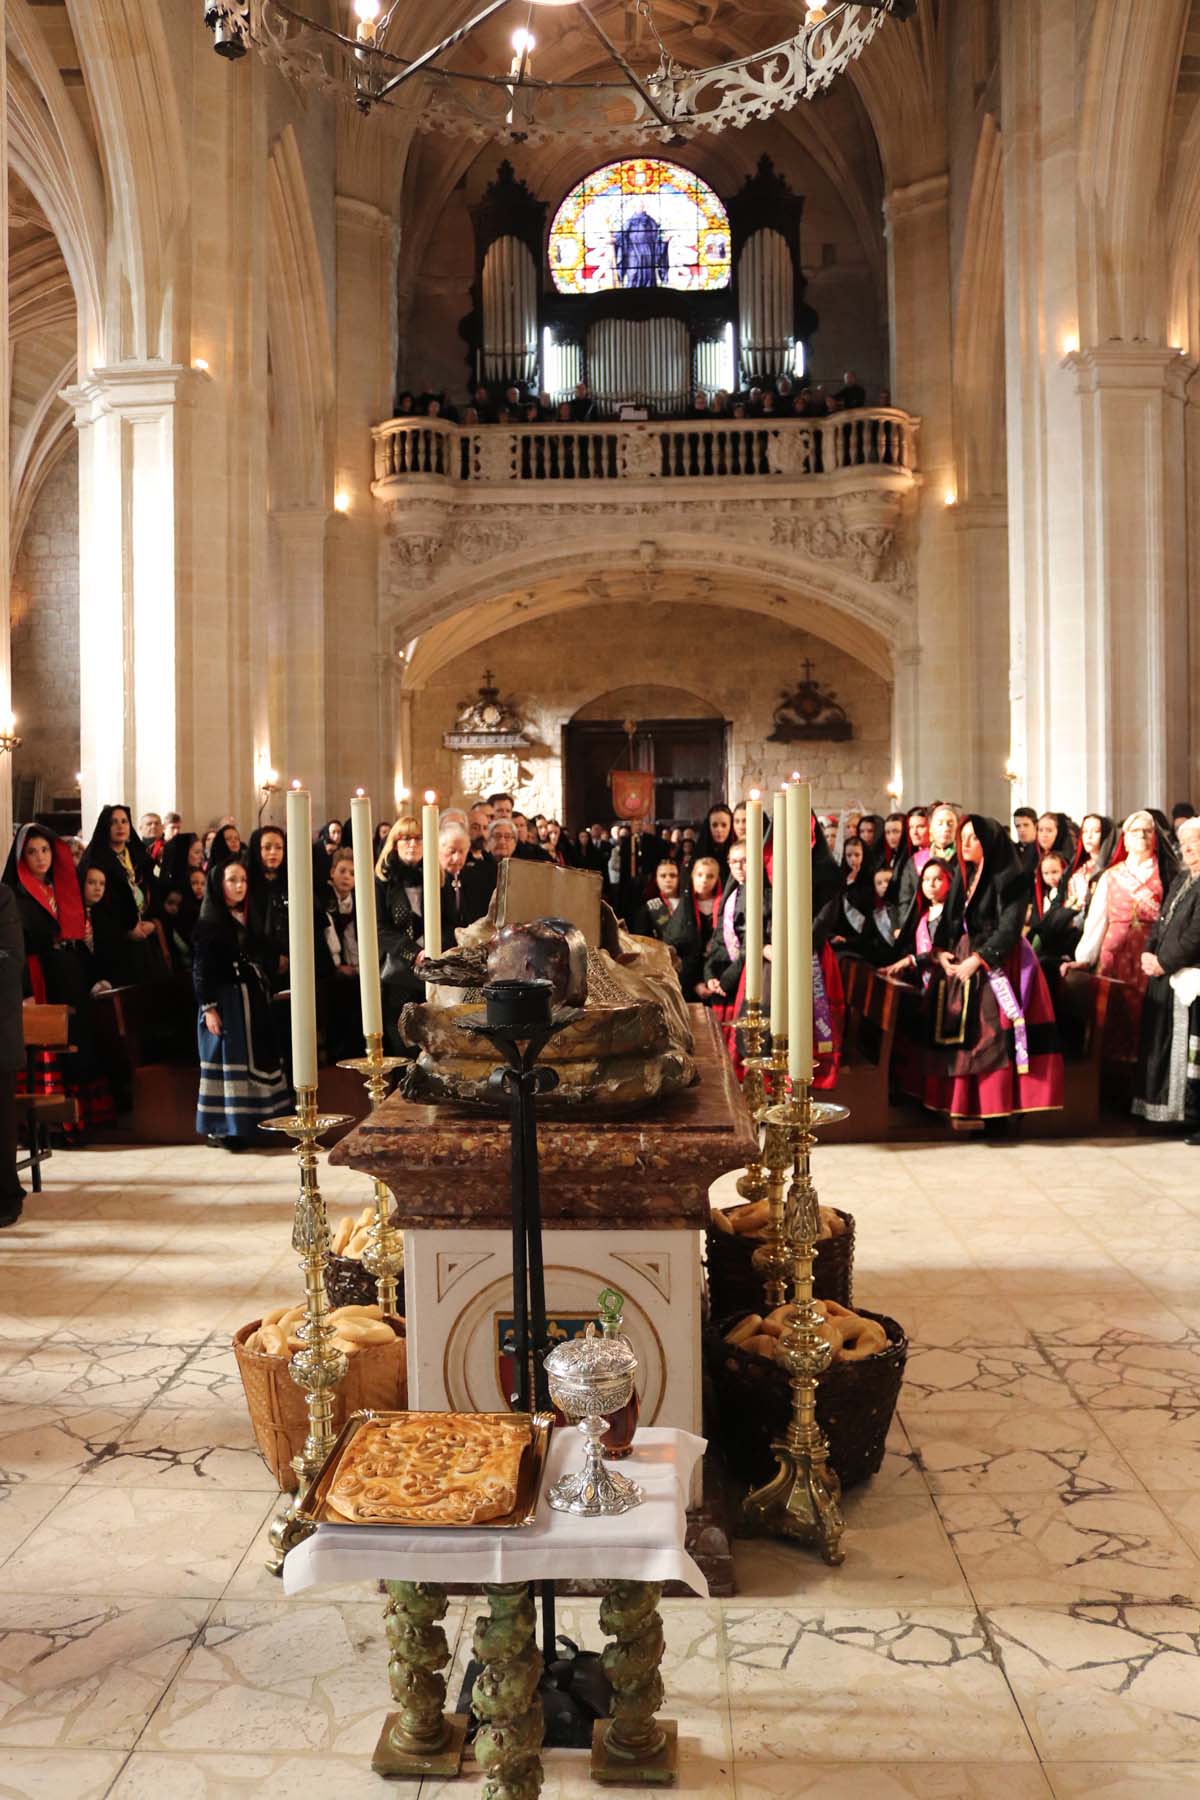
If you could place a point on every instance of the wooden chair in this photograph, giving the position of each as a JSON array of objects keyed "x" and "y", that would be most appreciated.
[{"x": 46, "y": 1027}]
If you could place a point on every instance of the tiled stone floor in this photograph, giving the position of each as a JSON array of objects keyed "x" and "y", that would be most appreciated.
[{"x": 1019, "y": 1610}]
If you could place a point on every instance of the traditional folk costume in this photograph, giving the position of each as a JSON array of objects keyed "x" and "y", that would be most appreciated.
[
  {"x": 992, "y": 1045},
  {"x": 241, "y": 1072},
  {"x": 1122, "y": 914},
  {"x": 128, "y": 895},
  {"x": 1168, "y": 1078}
]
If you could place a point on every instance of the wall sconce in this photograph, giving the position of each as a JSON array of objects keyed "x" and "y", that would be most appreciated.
[
  {"x": 1011, "y": 773},
  {"x": 268, "y": 786},
  {"x": 893, "y": 794},
  {"x": 341, "y": 501},
  {"x": 8, "y": 737}
]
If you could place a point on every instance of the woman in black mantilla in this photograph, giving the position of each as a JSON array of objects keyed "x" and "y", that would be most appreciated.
[
  {"x": 267, "y": 870},
  {"x": 127, "y": 905},
  {"x": 1168, "y": 1077},
  {"x": 60, "y": 967},
  {"x": 993, "y": 1047},
  {"x": 670, "y": 916},
  {"x": 241, "y": 1072}
]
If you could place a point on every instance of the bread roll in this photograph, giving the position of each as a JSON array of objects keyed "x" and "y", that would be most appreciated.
[
  {"x": 720, "y": 1219},
  {"x": 746, "y": 1328}
]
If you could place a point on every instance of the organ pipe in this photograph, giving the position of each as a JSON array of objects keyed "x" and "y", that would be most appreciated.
[
  {"x": 645, "y": 362},
  {"x": 766, "y": 303},
  {"x": 510, "y": 312}
]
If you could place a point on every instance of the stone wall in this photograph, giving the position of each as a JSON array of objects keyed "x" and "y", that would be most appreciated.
[
  {"x": 45, "y": 635},
  {"x": 735, "y": 664}
]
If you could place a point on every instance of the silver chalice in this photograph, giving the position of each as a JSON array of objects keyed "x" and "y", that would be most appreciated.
[{"x": 590, "y": 1378}]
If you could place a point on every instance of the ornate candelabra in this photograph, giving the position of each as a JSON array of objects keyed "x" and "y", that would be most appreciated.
[
  {"x": 383, "y": 1256},
  {"x": 802, "y": 1500},
  {"x": 317, "y": 1367},
  {"x": 773, "y": 1258},
  {"x": 752, "y": 1183}
]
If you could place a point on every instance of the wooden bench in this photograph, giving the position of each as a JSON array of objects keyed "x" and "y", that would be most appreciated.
[
  {"x": 46, "y": 1027},
  {"x": 1082, "y": 1007}
]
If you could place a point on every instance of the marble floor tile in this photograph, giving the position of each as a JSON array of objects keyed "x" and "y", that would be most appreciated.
[
  {"x": 1124, "y": 1781},
  {"x": 1018, "y": 1549},
  {"x": 1161, "y": 1445},
  {"x": 1132, "y": 1374},
  {"x": 137, "y": 1541},
  {"x": 81, "y": 1672},
  {"x": 52, "y": 1774},
  {"x": 224, "y": 1775},
  {"x": 1183, "y": 1510},
  {"x": 980, "y": 1379},
  {"x": 78, "y": 1372},
  {"x": 1018, "y": 1451},
  {"x": 897, "y": 1554},
  {"x": 899, "y": 1685},
  {"x": 189, "y": 1447},
  {"x": 1075, "y": 1319},
  {"x": 266, "y": 1678},
  {"x": 1105, "y": 1683},
  {"x": 854, "y": 1780},
  {"x": 23, "y": 1506},
  {"x": 952, "y": 1323},
  {"x": 54, "y": 1443},
  {"x": 252, "y": 1581}
]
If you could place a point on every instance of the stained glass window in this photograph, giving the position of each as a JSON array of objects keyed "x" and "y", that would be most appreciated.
[{"x": 642, "y": 223}]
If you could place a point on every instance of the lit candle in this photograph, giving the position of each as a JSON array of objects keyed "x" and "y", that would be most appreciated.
[
  {"x": 302, "y": 979},
  {"x": 800, "y": 949},
  {"x": 365, "y": 922},
  {"x": 431, "y": 875},
  {"x": 754, "y": 898},
  {"x": 779, "y": 891}
]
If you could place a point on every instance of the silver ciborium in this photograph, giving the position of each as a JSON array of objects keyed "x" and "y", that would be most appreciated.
[{"x": 590, "y": 1378}]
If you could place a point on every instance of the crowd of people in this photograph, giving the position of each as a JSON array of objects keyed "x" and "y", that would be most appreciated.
[
  {"x": 784, "y": 397},
  {"x": 985, "y": 926}
]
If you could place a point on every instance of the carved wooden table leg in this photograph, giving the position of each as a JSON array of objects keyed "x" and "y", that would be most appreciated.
[
  {"x": 505, "y": 1699},
  {"x": 420, "y": 1739},
  {"x": 634, "y": 1746}
]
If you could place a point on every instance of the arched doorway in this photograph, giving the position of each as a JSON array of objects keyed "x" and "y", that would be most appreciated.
[{"x": 681, "y": 738}]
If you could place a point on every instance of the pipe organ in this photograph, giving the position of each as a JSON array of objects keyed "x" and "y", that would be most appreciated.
[{"x": 646, "y": 285}]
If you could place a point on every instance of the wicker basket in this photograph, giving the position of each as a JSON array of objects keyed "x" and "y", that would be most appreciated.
[
  {"x": 376, "y": 1375},
  {"x": 347, "y": 1283},
  {"x": 735, "y": 1285},
  {"x": 855, "y": 1404}
]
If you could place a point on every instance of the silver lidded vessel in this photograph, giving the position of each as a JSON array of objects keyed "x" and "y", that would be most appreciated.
[{"x": 591, "y": 1377}]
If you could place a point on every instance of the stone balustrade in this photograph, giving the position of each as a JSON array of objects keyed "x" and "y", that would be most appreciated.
[{"x": 426, "y": 451}]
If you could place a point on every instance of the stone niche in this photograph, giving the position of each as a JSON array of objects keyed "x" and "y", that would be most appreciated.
[{"x": 735, "y": 664}]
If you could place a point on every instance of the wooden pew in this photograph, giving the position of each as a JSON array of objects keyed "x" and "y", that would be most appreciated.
[{"x": 872, "y": 1011}]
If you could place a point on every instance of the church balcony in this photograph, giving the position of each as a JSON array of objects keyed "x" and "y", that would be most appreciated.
[{"x": 876, "y": 447}]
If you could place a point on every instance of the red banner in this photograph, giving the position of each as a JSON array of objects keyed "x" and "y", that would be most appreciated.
[{"x": 632, "y": 793}]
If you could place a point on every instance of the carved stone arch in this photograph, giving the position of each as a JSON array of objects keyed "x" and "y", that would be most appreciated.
[
  {"x": 979, "y": 328},
  {"x": 130, "y": 77},
  {"x": 1129, "y": 83},
  {"x": 50, "y": 150},
  {"x": 301, "y": 345}
]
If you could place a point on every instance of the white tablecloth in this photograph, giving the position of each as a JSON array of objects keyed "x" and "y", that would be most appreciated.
[{"x": 643, "y": 1545}]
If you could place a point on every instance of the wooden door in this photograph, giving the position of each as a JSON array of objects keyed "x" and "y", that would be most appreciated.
[{"x": 686, "y": 755}]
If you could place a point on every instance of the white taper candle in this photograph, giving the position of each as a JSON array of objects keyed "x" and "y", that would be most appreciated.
[
  {"x": 754, "y": 898},
  {"x": 431, "y": 876},
  {"x": 800, "y": 950},
  {"x": 302, "y": 977},
  {"x": 779, "y": 936},
  {"x": 365, "y": 922}
]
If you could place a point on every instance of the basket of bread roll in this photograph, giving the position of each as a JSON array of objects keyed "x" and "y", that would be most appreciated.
[
  {"x": 735, "y": 1233},
  {"x": 347, "y": 1282},
  {"x": 376, "y": 1376},
  {"x": 856, "y": 1395}
]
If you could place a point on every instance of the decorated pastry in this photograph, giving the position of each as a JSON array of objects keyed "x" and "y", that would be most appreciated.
[{"x": 431, "y": 1469}]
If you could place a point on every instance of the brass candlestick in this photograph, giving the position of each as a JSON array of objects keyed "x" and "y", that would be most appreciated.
[
  {"x": 777, "y": 1068},
  {"x": 317, "y": 1367},
  {"x": 752, "y": 1183},
  {"x": 802, "y": 1500},
  {"x": 773, "y": 1258},
  {"x": 383, "y": 1256}
]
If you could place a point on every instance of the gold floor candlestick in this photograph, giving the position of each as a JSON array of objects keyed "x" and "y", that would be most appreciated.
[
  {"x": 317, "y": 1367},
  {"x": 752, "y": 1183},
  {"x": 383, "y": 1256},
  {"x": 773, "y": 1258},
  {"x": 803, "y": 1498}
]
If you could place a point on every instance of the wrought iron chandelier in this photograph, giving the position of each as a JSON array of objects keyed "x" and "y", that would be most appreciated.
[{"x": 670, "y": 101}]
